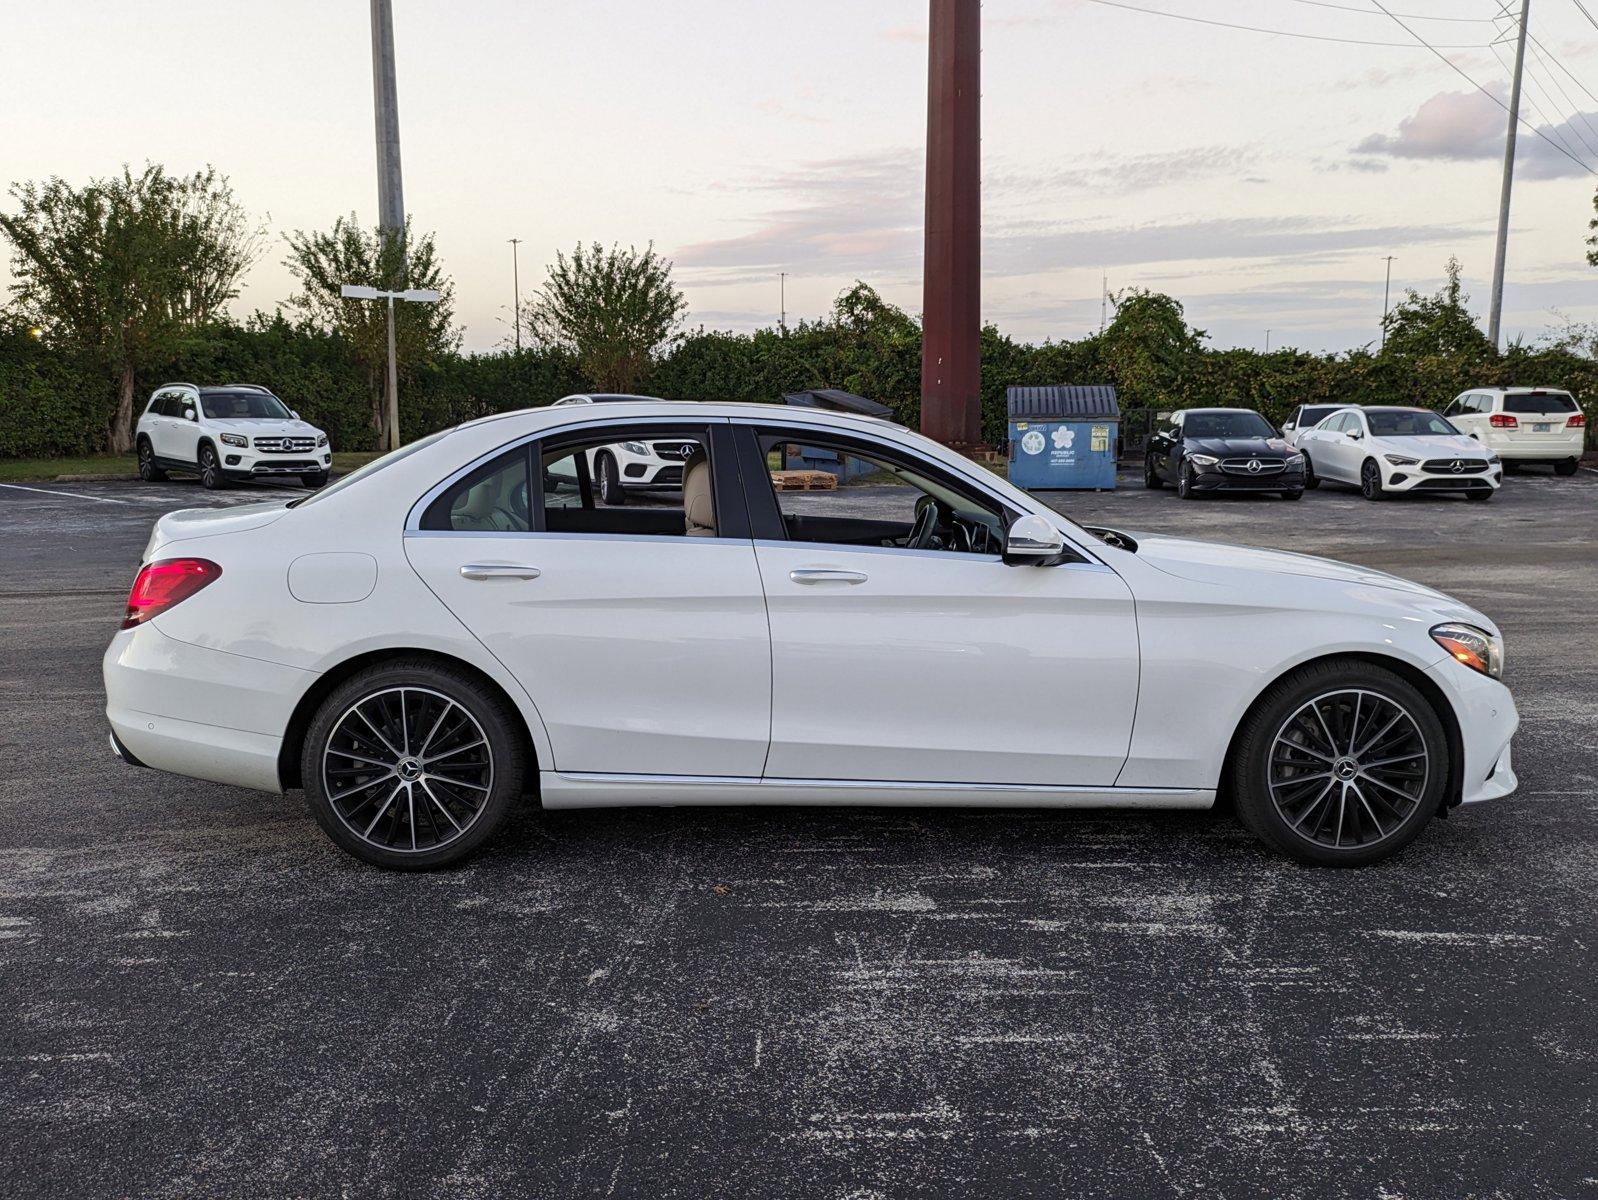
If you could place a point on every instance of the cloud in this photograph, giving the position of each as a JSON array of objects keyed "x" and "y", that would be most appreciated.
[{"x": 1469, "y": 127}]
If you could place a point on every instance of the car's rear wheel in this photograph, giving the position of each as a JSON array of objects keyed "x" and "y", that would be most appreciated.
[
  {"x": 148, "y": 471},
  {"x": 1370, "y": 481},
  {"x": 608, "y": 480},
  {"x": 1151, "y": 477},
  {"x": 1311, "y": 480},
  {"x": 1340, "y": 764},
  {"x": 1184, "y": 482},
  {"x": 412, "y": 764},
  {"x": 210, "y": 470},
  {"x": 1565, "y": 466}
]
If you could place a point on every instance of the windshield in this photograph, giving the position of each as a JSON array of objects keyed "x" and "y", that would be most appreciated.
[
  {"x": 1408, "y": 424},
  {"x": 1226, "y": 425},
  {"x": 372, "y": 468},
  {"x": 1540, "y": 402},
  {"x": 244, "y": 406}
]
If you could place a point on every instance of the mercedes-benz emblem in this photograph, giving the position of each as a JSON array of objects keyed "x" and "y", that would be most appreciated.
[
  {"x": 1457, "y": 466},
  {"x": 1254, "y": 466}
]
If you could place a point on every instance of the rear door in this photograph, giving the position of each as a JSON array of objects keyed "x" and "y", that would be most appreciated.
[
  {"x": 645, "y": 650},
  {"x": 900, "y": 655}
]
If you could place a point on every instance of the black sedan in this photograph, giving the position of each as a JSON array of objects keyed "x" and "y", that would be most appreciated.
[{"x": 1222, "y": 450}]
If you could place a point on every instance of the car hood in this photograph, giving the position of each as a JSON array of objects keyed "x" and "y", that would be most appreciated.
[
  {"x": 258, "y": 427},
  {"x": 1452, "y": 446},
  {"x": 1239, "y": 447},
  {"x": 187, "y": 524}
]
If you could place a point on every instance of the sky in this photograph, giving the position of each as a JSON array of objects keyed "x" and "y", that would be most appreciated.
[{"x": 1260, "y": 179}]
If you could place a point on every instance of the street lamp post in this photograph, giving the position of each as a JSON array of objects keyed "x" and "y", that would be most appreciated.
[
  {"x": 353, "y": 291},
  {"x": 516, "y": 284}
]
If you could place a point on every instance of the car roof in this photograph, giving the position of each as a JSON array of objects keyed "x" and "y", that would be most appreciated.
[
  {"x": 651, "y": 406},
  {"x": 1189, "y": 411},
  {"x": 1521, "y": 391}
]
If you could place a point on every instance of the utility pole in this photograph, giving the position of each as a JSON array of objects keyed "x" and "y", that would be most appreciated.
[
  {"x": 951, "y": 342},
  {"x": 516, "y": 283},
  {"x": 1387, "y": 291},
  {"x": 782, "y": 293},
  {"x": 390, "y": 192},
  {"x": 1267, "y": 341},
  {"x": 1496, "y": 312},
  {"x": 1104, "y": 299}
]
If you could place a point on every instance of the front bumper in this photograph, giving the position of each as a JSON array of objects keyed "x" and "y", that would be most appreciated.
[
  {"x": 1415, "y": 479},
  {"x": 164, "y": 699},
  {"x": 1214, "y": 478},
  {"x": 249, "y": 463},
  {"x": 1487, "y": 723}
]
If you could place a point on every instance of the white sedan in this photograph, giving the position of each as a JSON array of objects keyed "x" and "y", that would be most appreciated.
[
  {"x": 1388, "y": 450},
  {"x": 449, "y": 629}
]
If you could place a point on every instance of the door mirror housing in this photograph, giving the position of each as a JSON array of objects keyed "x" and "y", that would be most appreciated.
[
  {"x": 1355, "y": 434},
  {"x": 188, "y": 415},
  {"x": 294, "y": 414},
  {"x": 1033, "y": 540}
]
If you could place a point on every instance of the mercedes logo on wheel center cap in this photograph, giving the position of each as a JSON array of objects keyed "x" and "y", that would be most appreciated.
[
  {"x": 1345, "y": 768},
  {"x": 409, "y": 770}
]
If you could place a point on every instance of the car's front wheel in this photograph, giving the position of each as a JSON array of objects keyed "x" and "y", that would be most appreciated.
[
  {"x": 210, "y": 470},
  {"x": 1293, "y": 494},
  {"x": 412, "y": 764},
  {"x": 1480, "y": 494},
  {"x": 1370, "y": 481},
  {"x": 1340, "y": 764},
  {"x": 1311, "y": 480},
  {"x": 315, "y": 481},
  {"x": 148, "y": 471},
  {"x": 1184, "y": 482},
  {"x": 608, "y": 480}
]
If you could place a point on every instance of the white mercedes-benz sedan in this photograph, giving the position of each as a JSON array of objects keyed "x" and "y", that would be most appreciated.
[{"x": 465, "y": 622}]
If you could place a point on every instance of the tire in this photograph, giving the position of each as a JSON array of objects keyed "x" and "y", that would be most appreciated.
[
  {"x": 318, "y": 480},
  {"x": 148, "y": 471},
  {"x": 1151, "y": 477},
  {"x": 1311, "y": 480},
  {"x": 1295, "y": 494},
  {"x": 1370, "y": 481},
  {"x": 1481, "y": 495},
  {"x": 210, "y": 470},
  {"x": 1278, "y": 785},
  {"x": 1511, "y": 467},
  {"x": 607, "y": 481},
  {"x": 376, "y": 813},
  {"x": 1565, "y": 466},
  {"x": 1184, "y": 482}
]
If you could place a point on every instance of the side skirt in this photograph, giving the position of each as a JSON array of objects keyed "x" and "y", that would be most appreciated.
[{"x": 572, "y": 789}]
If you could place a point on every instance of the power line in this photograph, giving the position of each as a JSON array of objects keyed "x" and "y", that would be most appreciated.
[
  {"x": 1585, "y": 13},
  {"x": 1438, "y": 51},
  {"x": 1547, "y": 95},
  {"x": 1365, "y": 12},
  {"x": 1529, "y": 95},
  {"x": 1314, "y": 37},
  {"x": 1565, "y": 69},
  {"x": 1575, "y": 111}
]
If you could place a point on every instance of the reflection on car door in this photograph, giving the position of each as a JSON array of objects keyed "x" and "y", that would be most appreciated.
[
  {"x": 644, "y": 652},
  {"x": 938, "y": 666}
]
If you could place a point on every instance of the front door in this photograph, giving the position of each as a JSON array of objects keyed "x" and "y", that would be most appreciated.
[
  {"x": 904, "y": 649},
  {"x": 645, "y": 649}
]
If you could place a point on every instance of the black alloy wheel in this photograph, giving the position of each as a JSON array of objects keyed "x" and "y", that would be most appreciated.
[
  {"x": 1184, "y": 482},
  {"x": 1311, "y": 480},
  {"x": 1151, "y": 475},
  {"x": 148, "y": 471},
  {"x": 1370, "y": 481},
  {"x": 210, "y": 470},
  {"x": 608, "y": 481}
]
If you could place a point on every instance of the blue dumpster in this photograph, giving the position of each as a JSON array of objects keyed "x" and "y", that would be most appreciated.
[{"x": 1063, "y": 437}]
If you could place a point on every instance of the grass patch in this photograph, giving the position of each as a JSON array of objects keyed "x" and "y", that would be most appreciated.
[{"x": 44, "y": 470}]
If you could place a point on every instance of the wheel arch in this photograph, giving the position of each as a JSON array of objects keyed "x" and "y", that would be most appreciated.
[
  {"x": 1453, "y": 790},
  {"x": 288, "y": 755}
]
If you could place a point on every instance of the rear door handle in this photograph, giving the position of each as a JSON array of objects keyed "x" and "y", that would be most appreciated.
[
  {"x": 499, "y": 571},
  {"x": 825, "y": 575}
]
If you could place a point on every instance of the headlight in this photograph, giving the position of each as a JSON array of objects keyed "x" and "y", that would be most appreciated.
[
  {"x": 1476, "y": 648},
  {"x": 1402, "y": 460},
  {"x": 235, "y": 439},
  {"x": 636, "y": 448},
  {"x": 322, "y": 441},
  {"x": 1493, "y": 458},
  {"x": 1295, "y": 460},
  {"x": 1203, "y": 460}
]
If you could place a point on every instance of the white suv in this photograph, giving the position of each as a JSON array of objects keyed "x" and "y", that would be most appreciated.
[
  {"x": 235, "y": 432},
  {"x": 1524, "y": 425},
  {"x": 628, "y": 466}
]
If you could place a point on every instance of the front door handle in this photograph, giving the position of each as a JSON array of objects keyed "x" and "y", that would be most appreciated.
[
  {"x": 825, "y": 575},
  {"x": 499, "y": 571}
]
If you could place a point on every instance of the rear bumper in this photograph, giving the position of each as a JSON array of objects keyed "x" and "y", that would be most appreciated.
[
  {"x": 1550, "y": 447},
  {"x": 164, "y": 699}
]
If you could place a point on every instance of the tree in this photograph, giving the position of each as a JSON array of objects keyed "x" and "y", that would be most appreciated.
[
  {"x": 1592, "y": 241},
  {"x": 1440, "y": 325},
  {"x": 126, "y": 269},
  {"x": 615, "y": 311},
  {"x": 423, "y": 333},
  {"x": 1148, "y": 346}
]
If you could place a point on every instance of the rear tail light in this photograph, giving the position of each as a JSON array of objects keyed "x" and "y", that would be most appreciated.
[
  {"x": 162, "y": 584},
  {"x": 1576, "y": 422},
  {"x": 1503, "y": 421}
]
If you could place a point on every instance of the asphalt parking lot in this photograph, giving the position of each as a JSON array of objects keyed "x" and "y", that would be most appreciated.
[{"x": 201, "y": 996}]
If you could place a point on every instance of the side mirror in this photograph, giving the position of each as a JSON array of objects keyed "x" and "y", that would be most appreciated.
[
  {"x": 188, "y": 415},
  {"x": 1289, "y": 427},
  {"x": 294, "y": 414},
  {"x": 1032, "y": 540},
  {"x": 1355, "y": 434}
]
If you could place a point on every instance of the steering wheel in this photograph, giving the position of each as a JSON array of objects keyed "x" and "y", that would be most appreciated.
[{"x": 924, "y": 534}]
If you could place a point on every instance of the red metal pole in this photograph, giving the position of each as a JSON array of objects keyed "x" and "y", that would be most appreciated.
[{"x": 951, "y": 359}]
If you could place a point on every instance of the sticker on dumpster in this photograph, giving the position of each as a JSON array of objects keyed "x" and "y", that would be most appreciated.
[
  {"x": 1063, "y": 437},
  {"x": 1032, "y": 443},
  {"x": 1101, "y": 437}
]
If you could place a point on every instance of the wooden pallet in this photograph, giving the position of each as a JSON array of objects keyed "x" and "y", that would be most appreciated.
[{"x": 803, "y": 481}]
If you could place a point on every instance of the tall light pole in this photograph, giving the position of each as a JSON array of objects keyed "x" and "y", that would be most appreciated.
[
  {"x": 1267, "y": 341},
  {"x": 516, "y": 283},
  {"x": 782, "y": 300},
  {"x": 385, "y": 102},
  {"x": 1387, "y": 291},
  {"x": 355, "y": 291},
  {"x": 1496, "y": 311}
]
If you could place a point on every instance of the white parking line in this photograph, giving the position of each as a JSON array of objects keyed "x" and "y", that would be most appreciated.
[{"x": 72, "y": 495}]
